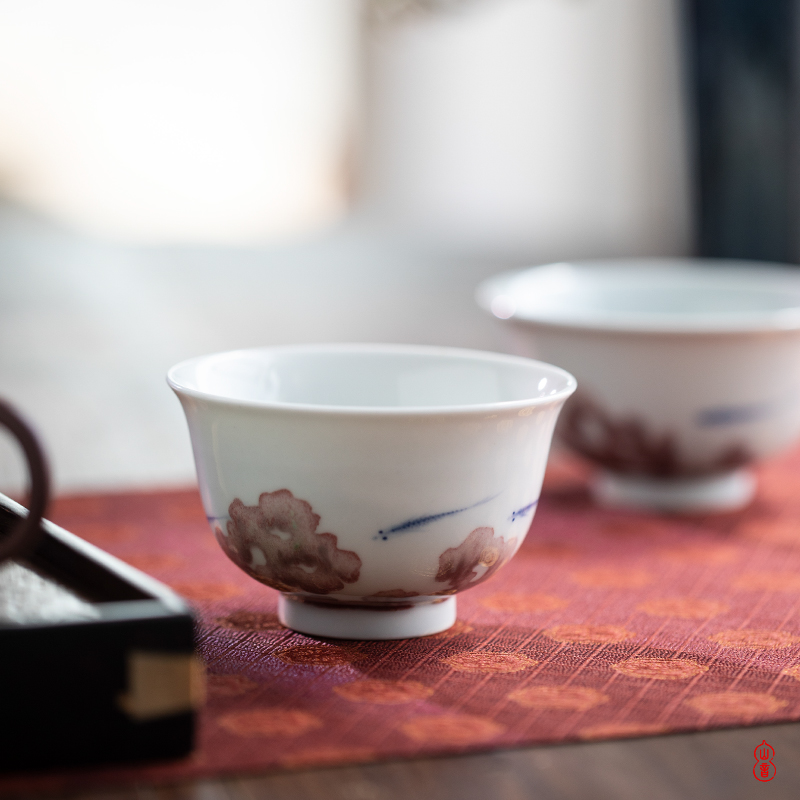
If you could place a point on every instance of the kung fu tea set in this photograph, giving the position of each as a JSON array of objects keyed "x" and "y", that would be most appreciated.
[{"x": 369, "y": 484}]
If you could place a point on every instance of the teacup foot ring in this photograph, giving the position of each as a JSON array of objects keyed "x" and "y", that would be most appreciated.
[
  {"x": 727, "y": 492},
  {"x": 349, "y": 622}
]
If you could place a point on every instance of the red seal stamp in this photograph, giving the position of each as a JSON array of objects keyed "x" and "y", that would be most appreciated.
[{"x": 764, "y": 769}]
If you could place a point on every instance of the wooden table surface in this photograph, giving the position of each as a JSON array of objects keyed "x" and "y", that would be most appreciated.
[{"x": 715, "y": 765}]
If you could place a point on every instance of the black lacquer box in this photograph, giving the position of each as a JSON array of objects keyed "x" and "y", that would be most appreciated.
[{"x": 123, "y": 686}]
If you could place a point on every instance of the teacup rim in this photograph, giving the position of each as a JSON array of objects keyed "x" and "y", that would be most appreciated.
[
  {"x": 473, "y": 409},
  {"x": 647, "y": 322}
]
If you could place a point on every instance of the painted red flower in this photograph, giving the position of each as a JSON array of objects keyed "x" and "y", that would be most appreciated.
[
  {"x": 276, "y": 542},
  {"x": 477, "y": 558}
]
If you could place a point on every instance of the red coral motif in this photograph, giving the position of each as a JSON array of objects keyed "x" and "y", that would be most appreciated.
[
  {"x": 626, "y": 445},
  {"x": 276, "y": 543},
  {"x": 458, "y": 566}
]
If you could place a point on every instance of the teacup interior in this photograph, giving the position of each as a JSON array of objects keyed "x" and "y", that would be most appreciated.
[{"x": 381, "y": 377}]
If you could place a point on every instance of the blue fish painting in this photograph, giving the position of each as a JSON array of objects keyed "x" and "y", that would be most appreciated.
[
  {"x": 419, "y": 522},
  {"x": 524, "y": 511}
]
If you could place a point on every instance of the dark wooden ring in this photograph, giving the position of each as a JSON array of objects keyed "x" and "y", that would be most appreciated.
[{"x": 24, "y": 536}]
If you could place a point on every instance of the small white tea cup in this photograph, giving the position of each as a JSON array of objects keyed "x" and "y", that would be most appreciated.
[
  {"x": 689, "y": 370},
  {"x": 369, "y": 483}
]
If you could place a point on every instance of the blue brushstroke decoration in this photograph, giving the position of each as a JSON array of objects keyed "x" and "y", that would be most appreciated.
[
  {"x": 524, "y": 511},
  {"x": 735, "y": 415},
  {"x": 419, "y": 522}
]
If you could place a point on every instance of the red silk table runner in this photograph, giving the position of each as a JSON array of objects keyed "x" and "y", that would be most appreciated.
[{"x": 606, "y": 624}]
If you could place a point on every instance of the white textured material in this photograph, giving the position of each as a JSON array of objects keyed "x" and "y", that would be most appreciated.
[
  {"x": 727, "y": 492},
  {"x": 423, "y": 619}
]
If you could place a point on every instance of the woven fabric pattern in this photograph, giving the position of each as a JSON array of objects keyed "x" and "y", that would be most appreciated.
[{"x": 606, "y": 624}]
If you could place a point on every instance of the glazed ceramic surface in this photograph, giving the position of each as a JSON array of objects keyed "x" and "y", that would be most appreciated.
[
  {"x": 369, "y": 483},
  {"x": 688, "y": 369}
]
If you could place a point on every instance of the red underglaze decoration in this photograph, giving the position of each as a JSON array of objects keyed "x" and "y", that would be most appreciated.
[
  {"x": 459, "y": 566},
  {"x": 276, "y": 543},
  {"x": 626, "y": 446}
]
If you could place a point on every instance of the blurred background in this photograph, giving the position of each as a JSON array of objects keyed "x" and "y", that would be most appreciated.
[{"x": 180, "y": 177}]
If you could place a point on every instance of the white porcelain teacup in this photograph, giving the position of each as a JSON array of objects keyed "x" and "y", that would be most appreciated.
[
  {"x": 689, "y": 369},
  {"x": 369, "y": 483}
]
